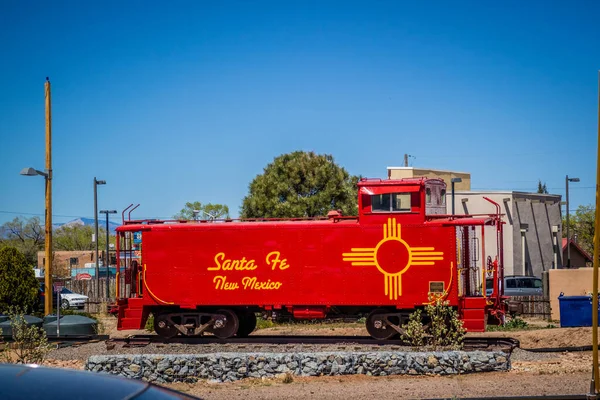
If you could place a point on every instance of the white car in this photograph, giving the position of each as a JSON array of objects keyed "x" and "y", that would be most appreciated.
[{"x": 69, "y": 299}]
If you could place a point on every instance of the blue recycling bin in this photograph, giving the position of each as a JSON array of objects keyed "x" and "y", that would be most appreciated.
[{"x": 575, "y": 310}]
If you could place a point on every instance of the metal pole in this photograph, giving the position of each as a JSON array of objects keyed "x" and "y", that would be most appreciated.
[
  {"x": 568, "y": 237},
  {"x": 96, "y": 237},
  {"x": 107, "y": 259},
  {"x": 555, "y": 246},
  {"x": 58, "y": 312},
  {"x": 48, "y": 228},
  {"x": 595, "y": 373},
  {"x": 452, "y": 198},
  {"x": 523, "y": 251}
]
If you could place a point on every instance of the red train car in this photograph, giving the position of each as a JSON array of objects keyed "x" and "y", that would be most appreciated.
[{"x": 402, "y": 248}]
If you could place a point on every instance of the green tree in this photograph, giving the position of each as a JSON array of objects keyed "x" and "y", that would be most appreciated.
[
  {"x": 197, "y": 210},
  {"x": 25, "y": 235},
  {"x": 18, "y": 286},
  {"x": 581, "y": 223},
  {"x": 301, "y": 184},
  {"x": 542, "y": 187},
  {"x": 78, "y": 237}
]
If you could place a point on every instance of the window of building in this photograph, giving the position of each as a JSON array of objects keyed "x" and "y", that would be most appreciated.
[{"x": 391, "y": 202}]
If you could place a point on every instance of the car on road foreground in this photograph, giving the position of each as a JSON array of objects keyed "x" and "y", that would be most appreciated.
[
  {"x": 68, "y": 299},
  {"x": 19, "y": 381}
]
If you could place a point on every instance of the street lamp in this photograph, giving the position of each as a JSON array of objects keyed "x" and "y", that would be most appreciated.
[
  {"x": 107, "y": 240},
  {"x": 48, "y": 237},
  {"x": 96, "y": 183},
  {"x": 453, "y": 181},
  {"x": 567, "y": 180}
]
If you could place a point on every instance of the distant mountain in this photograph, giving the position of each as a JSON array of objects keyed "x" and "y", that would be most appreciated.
[{"x": 90, "y": 222}]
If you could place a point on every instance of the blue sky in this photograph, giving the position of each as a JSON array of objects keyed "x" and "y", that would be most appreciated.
[{"x": 189, "y": 102}]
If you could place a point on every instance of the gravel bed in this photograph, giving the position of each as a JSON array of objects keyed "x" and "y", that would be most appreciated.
[{"x": 523, "y": 355}]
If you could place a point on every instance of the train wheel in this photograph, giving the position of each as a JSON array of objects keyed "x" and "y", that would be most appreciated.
[
  {"x": 247, "y": 323},
  {"x": 163, "y": 326},
  {"x": 377, "y": 327},
  {"x": 226, "y": 326}
]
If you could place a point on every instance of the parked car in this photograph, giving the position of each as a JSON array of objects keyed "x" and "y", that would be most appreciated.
[
  {"x": 33, "y": 382},
  {"x": 518, "y": 285},
  {"x": 68, "y": 299}
]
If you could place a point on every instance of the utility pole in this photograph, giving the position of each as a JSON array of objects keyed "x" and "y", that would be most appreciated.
[
  {"x": 48, "y": 237},
  {"x": 595, "y": 383}
]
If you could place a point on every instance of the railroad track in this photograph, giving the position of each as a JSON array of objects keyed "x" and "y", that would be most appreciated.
[
  {"x": 67, "y": 340},
  {"x": 470, "y": 343}
]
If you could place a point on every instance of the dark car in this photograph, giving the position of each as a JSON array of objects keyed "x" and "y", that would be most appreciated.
[
  {"x": 517, "y": 285},
  {"x": 33, "y": 382}
]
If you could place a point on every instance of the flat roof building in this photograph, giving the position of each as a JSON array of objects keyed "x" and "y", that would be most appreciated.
[{"x": 412, "y": 172}]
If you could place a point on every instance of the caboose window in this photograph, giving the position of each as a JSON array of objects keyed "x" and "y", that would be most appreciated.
[
  {"x": 428, "y": 196},
  {"x": 391, "y": 202}
]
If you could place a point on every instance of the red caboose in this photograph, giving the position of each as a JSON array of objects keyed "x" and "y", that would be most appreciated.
[{"x": 212, "y": 276}]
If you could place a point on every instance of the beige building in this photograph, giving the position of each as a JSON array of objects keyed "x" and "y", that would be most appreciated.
[
  {"x": 569, "y": 282},
  {"x": 63, "y": 261},
  {"x": 412, "y": 172}
]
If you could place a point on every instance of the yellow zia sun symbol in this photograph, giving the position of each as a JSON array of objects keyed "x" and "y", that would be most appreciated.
[{"x": 393, "y": 256}]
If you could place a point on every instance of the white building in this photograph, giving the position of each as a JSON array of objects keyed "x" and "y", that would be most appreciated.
[{"x": 532, "y": 229}]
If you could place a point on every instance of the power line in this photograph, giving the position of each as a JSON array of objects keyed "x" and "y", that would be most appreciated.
[{"x": 41, "y": 215}]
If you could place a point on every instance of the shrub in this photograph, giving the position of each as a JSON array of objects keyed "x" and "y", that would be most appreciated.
[
  {"x": 446, "y": 329},
  {"x": 30, "y": 344},
  {"x": 262, "y": 323},
  {"x": 150, "y": 324},
  {"x": 414, "y": 329},
  {"x": 443, "y": 328},
  {"x": 515, "y": 324},
  {"x": 18, "y": 286}
]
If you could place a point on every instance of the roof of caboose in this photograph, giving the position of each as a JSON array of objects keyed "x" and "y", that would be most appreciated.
[
  {"x": 397, "y": 182},
  {"x": 365, "y": 186},
  {"x": 237, "y": 223}
]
